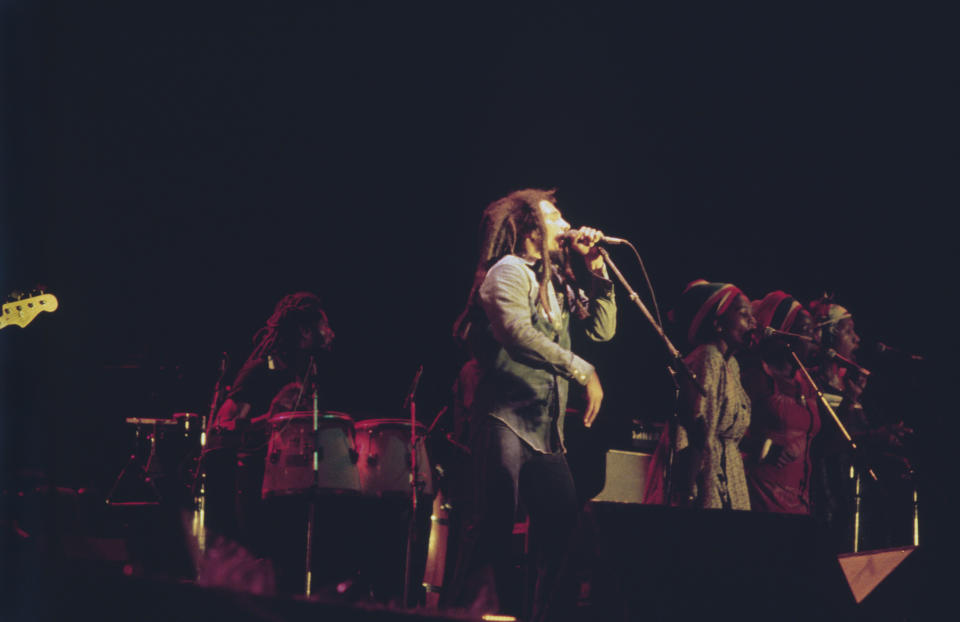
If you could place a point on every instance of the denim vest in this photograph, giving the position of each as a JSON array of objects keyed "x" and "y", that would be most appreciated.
[{"x": 525, "y": 352}]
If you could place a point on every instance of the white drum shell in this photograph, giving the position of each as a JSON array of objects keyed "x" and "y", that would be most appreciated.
[
  {"x": 289, "y": 462},
  {"x": 384, "y": 464}
]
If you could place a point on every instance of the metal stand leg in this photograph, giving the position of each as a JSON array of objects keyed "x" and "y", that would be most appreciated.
[
  {"x": 143, "y": 473},
  {"x": 308, "y": 575},
  {"x": 856, "y": 509},
  {"x": 408, "y": 560},
  {"x": 916, "y": 518},
  {"x": 123, "y": 473}
]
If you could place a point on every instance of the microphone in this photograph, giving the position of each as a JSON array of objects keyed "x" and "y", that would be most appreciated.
[
  {"x": 574, "y": 234},
  {"x": 835, "y": 356},
  {"x": 770, "y": 332},
  {"x": 882, "y": 347}
]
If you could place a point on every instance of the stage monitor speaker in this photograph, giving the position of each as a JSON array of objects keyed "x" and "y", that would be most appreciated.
[
  {"x": 903, "y": 583},
  {"x": 663, "y": 563},
  {"x": 864, "y": 571},
  {"x": 625, "y": 477}
]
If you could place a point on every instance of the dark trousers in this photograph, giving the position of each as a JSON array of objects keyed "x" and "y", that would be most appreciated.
[{"x": 506, "y": 473}]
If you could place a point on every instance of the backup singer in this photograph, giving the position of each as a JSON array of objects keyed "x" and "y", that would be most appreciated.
[
  {"x": 834, "y": 488},
  {"x": 709, "y": 473},
  {"x": 836, "y": 469},
  {"x": 517, "y": 322},
  {"x": 784, "y": 409}
]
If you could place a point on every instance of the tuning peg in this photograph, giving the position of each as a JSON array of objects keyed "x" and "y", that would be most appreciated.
[
  {"x": 16, "y": 295},
  {"x": 39, "y": 290}
]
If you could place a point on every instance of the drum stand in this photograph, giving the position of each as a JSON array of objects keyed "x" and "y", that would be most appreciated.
[{"x": 144, "y": 472}]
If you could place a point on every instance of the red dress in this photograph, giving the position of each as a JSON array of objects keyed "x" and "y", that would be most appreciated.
[{"x": 784, "y": 411}]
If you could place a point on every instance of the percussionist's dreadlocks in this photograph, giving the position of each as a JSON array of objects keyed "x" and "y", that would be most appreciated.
[
  {"x": 504, "y": 225},
  {"x": 279, "y": 335}
]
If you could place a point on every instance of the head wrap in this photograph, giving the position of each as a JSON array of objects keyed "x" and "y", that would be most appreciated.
[
  {"x": 700, "y": 301},
  {"x": 777, "y": 309},
  {"x": 827, "y": 314}
]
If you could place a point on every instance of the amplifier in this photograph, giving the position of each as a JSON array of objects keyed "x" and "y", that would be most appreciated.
[{"x": 625, "y": 477}]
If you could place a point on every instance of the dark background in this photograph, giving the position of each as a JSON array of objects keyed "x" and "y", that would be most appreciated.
[{"x": 169, "y": 173}]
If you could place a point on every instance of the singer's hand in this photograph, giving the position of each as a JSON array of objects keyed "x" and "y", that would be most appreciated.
[
  {"x": 785, "y": 457},
  {"x": 584, "y": 240},
  {"x": 896, "y": 433},
  {"x": 594, "y": 397}
]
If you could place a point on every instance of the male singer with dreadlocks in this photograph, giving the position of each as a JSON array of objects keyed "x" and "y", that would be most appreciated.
[
  {"x": 272, "y": 380},
  {"x": 517, "y": 323}
]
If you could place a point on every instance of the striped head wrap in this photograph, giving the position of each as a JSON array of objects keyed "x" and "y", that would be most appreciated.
[
  {"x": 827, "y": 314},
  {"x": 702, "y": 300},
  {"x": 777, "y": 309}
]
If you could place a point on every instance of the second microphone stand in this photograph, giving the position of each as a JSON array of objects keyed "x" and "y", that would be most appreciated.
[{"x": 854, "y": 448}]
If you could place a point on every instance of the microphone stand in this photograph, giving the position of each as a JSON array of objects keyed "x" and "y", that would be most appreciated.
[
  {"x": 312, "y": 508},
  {"x": 411, "y": 523},
  {"x": 850, "y": 442},
  {"x": 833, "y": 415},
  {"x": 436, "y": 420},
  {"x": 677, "y": 365}
]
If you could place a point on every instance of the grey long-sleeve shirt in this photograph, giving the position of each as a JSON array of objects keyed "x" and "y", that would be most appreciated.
[{"x": 526, "y": 374}]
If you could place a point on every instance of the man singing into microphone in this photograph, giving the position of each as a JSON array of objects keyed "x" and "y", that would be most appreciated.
[{"x": 517, "y": 324}]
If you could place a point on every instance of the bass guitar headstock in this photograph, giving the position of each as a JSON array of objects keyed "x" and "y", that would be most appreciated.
[{"x": 22, "y": 310}]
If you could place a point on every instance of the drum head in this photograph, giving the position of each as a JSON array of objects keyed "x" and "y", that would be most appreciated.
[
  {"x": 328, "y": 416},
  {"x": 304, "y": 460},
  {"x": 388, "y": 423}
]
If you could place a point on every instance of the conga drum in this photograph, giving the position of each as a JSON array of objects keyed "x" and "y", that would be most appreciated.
[
  {"x": 384, "y": 464},
  {"x": 290, "y": 469}
]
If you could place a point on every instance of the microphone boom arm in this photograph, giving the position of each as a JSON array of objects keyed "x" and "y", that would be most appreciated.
[
  {"x": 833, "y": 415},
  {"x": 676, "y": 361}
]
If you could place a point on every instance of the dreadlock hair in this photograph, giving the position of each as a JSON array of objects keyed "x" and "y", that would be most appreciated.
[
  {"x": 279, "y": 335},
  {"x": 504, "y": 225}
]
